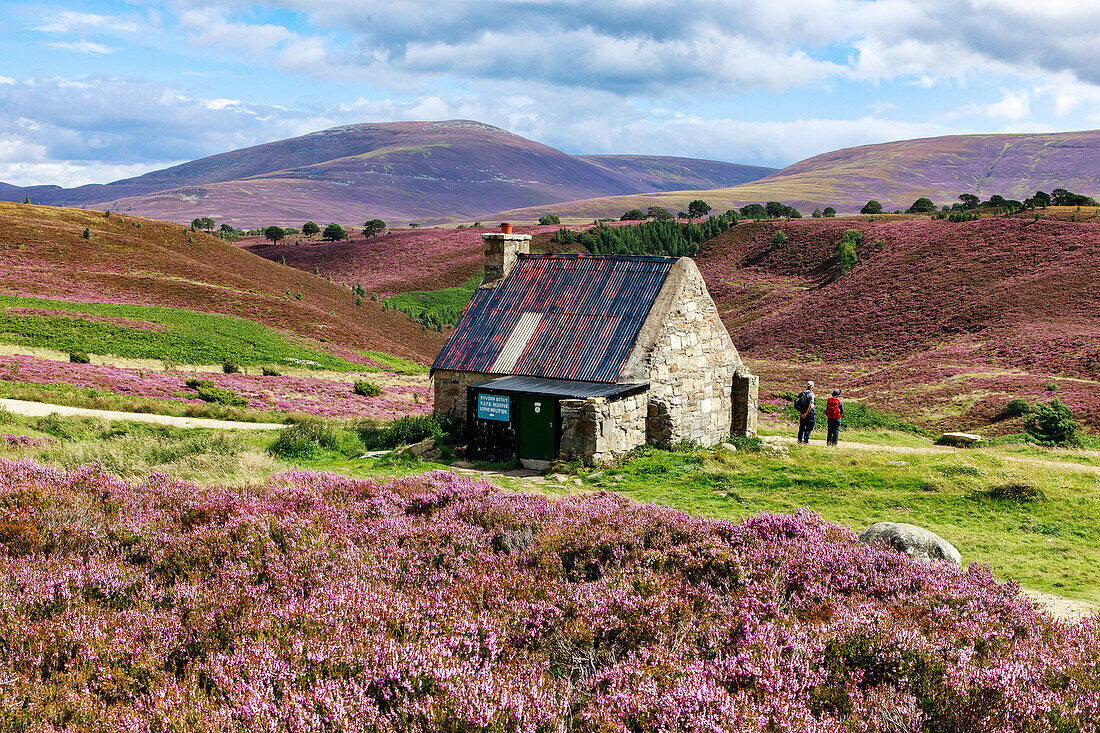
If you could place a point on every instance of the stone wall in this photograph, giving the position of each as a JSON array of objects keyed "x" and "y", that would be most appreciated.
[
  {"x": 746, "y": 402},
  {"x": 686, "y": 354},
  {"x": 450, "y": 392},
  {"x": 596, "y": 431}
]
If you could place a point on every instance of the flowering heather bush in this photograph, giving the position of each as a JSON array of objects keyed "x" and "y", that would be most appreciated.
[
  {"x": 309, "y": 395},
  {"x": 23, "y": 441},
  {"x": 431, "y": 603}
]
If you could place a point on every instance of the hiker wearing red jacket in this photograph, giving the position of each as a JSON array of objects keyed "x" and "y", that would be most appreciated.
[{"x": 834, "y": 410}]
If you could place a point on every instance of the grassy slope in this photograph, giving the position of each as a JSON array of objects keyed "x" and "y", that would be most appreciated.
[
  {"x": 939, "y": 322},
  {"x": 174, "y": 334},
  {"x": 153, "y": 263},
  {"x": 443, "y": 307}
]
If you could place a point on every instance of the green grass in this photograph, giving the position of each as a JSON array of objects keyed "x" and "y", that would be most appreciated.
[
  {"x": 857, "y": 416},
  {"x": 176, "y": 334},
  {"x": 435, "y": 307},
  {"x": 872, "y": 436},
  {"x": 392, "y": 363}
]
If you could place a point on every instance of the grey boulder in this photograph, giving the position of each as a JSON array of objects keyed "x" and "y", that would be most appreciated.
[{"x": 914, "y": 541}]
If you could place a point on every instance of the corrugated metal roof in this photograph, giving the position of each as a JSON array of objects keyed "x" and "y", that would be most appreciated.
[
  {"x": 585, "y": 311},
  {"x": 559, "y": 387}
]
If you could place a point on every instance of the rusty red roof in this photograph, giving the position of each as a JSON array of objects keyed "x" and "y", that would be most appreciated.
[{"x": 563, "y": 316}]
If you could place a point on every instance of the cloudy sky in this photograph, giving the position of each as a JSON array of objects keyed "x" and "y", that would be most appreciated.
[{"x": 97, "y": 91}]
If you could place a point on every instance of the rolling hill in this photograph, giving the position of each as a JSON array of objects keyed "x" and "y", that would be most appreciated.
[
  {"x": 397, "y": 171},
  {"x": 125, "y": 259},
  {"x": 895, "y": 174}
]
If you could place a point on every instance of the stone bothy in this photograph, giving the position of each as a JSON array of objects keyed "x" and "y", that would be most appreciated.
[{"x": 587, "y": 357}]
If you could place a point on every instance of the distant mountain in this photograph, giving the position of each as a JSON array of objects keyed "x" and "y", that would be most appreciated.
[
  {"x": 399, "y": 171},
  {"x": 895, "y": 174}
]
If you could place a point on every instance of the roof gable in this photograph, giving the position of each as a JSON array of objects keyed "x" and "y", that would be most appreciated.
[{"x": 559, "y": 316}]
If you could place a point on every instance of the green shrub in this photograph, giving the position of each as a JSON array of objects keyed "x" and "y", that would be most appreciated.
[
  {"x": 779, "y": 238},
  {"x": 231, "y": 367},
  {"x": 210, "y": 392},
  {"x": 79, "y": 357},
  {"x": 66, "y": 428},
  {"x": 270, "y": 372},
  {"x": 1017, "y": 493},
  {"x": 1015, "y": 408},
  {"x": 550, "y": 219},
  {"x": 305, "y": 440},
  {"x": 402, "y": 431},
  {"x": 1053, "y": 424},
  {"x": 367, "y": 389},
  {"x": 845, "y": 256}
]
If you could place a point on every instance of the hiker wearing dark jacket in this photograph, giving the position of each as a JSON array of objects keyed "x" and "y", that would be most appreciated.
[
  {"x": 804, "y": 403},
  {"x": 834, "y": 410}
]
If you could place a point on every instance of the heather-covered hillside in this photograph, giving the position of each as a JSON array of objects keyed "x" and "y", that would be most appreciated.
[
  {"x": 317, "y": 602},
  {"x": 398, "y": 261},
  {"x": 45, "y": 254},
  {"x": 946, "y": 320},
  {"x": 1026, "y": 287},
  {"x": 399, "y": 171}
]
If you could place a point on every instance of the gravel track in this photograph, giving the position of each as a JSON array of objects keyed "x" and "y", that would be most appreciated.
[{"x": 41, "y": 409}]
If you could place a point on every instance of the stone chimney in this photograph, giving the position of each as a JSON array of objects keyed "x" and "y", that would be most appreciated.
[{"x": 500, "y": 254}]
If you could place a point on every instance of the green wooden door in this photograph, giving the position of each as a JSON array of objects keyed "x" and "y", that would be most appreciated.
[{"x": 536, "y": 428}]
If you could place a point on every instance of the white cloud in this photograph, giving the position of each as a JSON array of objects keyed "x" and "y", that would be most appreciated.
[
  {"x": 68, "y": 21},
  {"x": 209, "y": 27},
  {"x": 89, "y": 127},
  {"x": 81, "y": 47},
  {"x": 24, "y": 163},
  {"x": 1014, "y": 106},
  {"x": 305, "y": 56},
  {"x": 652, "y": 47}
]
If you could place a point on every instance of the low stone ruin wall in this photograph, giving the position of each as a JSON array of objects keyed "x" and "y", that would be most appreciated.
[{"x": 596, "y": 431}]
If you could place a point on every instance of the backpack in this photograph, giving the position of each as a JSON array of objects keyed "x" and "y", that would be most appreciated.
[
  {"x": 802, "y": 402},
  {"x": 832, "y": 408}
]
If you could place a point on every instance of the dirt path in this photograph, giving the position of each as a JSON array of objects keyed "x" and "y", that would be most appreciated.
[
  {"x": 939, "y": 449},
  {"x": 1063, "y": 609},
  {"x": 41, "y": 409}
]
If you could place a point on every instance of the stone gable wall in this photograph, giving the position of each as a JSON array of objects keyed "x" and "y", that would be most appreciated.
[{"x": 692, "y": 364}]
